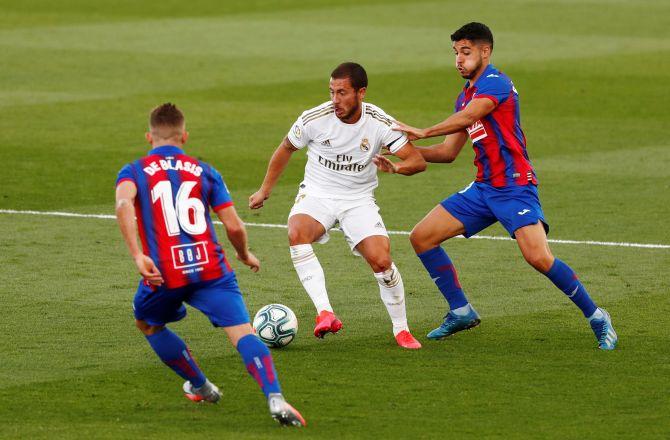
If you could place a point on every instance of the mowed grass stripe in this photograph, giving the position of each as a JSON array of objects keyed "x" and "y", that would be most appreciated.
[
  {"x": 392, "y": 232},
  {"x": 226, "y": 50}
]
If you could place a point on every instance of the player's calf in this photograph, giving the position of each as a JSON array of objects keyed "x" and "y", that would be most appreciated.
[
  {"x": 567, "y": 281},
  {"x": 259, "y": 363},
  {"x": 311, "y": 275},
  {"x": 260, "y": 366},
  {"x": 392, "y": 292}
]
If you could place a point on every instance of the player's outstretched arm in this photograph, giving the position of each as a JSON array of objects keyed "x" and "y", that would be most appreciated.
[
  {"x": 459, "y": 121},
  {"x": 276, "y": 167},
  {"x": 237, "y": 235},
  {"x": 447, "y": 150},
  {"x": 126, "y": 192},
  {"x": 412, "y": 161}
]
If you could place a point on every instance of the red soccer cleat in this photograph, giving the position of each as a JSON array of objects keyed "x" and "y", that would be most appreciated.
[
  {"x": 406, "y": 340},
  {"x": 326, "y": 322}
]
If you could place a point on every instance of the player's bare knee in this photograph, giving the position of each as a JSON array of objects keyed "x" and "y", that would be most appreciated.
[
  {"x": 293, "y": 237},
  {"x": 146, "y": 328},
  {"x": 141, "y": 325},
  {"x": 380, "y": 263},
  {"x": 541, "y": 261},
  {"x": 420, "y": 241},
  {"x": 416, "y": 239},
  {"x": 297, "y": 236}
]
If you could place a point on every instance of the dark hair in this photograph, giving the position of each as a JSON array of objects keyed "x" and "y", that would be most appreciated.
[
  {"x": 476, "y": 32},
  {"x": 354, "y": 71},
  {"x": 166, "y": 116}
]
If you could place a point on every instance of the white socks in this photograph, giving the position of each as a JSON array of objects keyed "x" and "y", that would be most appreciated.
[
  {"x": 311, "y": 275},
  {"x": 392, "y": 291}
]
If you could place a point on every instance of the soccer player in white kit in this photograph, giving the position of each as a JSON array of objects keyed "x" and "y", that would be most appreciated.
[{"x": 344, "y": 138}]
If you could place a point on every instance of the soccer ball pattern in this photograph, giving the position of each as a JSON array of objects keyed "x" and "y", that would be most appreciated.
[{"x": 276, "y": 325}]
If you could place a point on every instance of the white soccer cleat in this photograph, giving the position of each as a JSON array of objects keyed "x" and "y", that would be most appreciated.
[
  {"x": 208, "y": 392},
  {"x": 284, "y": 413}
]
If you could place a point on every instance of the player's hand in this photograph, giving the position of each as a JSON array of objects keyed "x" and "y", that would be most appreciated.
[
  {"x": 148, "y": 270},
  {"x": 250, "y": 260},
  {"x": 384, "y": 164},
  {"x": 257, "y": 199},
  {"x": 412, "y": 133}
]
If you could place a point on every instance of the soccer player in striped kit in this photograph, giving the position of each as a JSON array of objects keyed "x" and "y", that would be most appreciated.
[
  {"x": 181, "y": 260},
  {"x": 505, "y": 189}
]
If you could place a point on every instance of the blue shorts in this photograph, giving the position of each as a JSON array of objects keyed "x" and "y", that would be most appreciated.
[
  {"x": 220, "y": 300},
  {"x": 480, "y": 205}
]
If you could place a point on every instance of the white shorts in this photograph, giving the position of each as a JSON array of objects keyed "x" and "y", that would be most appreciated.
[{"x": 358, "y": 219}]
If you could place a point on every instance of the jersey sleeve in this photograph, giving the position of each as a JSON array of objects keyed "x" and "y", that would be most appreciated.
[
  {"x": 219, "y": 196},
  {"x": 495, "y": 88},
  {"x": 391, "y": 139},
  {"x": 298, "y": 135},
  {"x": 457, "y": 104},
  {"x": 126, "y": 173}
]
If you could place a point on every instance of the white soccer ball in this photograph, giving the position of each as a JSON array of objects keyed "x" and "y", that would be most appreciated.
[{"x": 276, "y": 325}]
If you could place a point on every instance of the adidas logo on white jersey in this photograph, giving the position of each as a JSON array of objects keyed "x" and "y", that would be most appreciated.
[{"x": 326, "y": 143}]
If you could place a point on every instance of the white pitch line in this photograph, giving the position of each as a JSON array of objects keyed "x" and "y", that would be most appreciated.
[{"x": 273, "y": 225}]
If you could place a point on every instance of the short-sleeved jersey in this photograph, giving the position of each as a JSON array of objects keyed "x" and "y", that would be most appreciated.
[
  {"x": 499, "y": 143},
  {"x": 339, "y": 155},
  {"x": 174, "y": 194}
]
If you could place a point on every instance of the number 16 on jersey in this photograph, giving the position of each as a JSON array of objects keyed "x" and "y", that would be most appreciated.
[{"x": 187, "y": 213}]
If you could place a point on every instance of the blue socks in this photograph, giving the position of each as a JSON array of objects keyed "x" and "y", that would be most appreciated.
[
  {"x": 565, "y": 279},
  {"x": 442, "y": 271},
  {"x": 175, "y": 354},
  {"x": 258, "y": 361}
]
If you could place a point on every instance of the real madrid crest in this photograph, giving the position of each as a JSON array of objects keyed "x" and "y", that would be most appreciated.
[{"x": 365, "y": 145}]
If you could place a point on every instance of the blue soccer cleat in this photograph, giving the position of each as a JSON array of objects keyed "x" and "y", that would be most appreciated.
[
  {"x": 605, "y": 334},
  {"x": 455, "y": 323}
]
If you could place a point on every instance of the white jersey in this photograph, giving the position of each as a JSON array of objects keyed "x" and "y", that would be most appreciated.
[{"x": 339, "y": 155}]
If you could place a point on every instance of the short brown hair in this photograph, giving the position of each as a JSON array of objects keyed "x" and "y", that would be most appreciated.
[
  {"x": 166, "y": 121},
  {"x": 354, "y": 71}
]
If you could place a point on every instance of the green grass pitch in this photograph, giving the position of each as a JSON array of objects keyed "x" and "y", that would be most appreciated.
[{"x": 76, "y": 82}]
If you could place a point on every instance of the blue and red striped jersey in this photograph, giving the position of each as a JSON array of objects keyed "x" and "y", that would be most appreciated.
[
  {"x": 499, "y": 143},
  {"x": 174, "y": 196}
]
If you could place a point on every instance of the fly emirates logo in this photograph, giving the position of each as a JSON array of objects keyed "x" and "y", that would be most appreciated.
[
  {"x": 342, "y": 162},
  {"x": 477, "y": 131},
  {"x": 170, "y": 164}
]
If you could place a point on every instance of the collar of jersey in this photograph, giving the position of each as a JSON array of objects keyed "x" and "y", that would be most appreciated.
[
  {"x": 489, "y": 69},
  {"x": 166, "y": 150}
]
